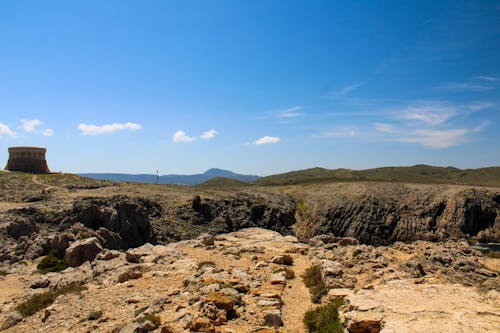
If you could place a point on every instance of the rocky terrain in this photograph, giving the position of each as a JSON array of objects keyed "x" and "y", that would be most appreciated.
[{"x": 184, "y": 259}]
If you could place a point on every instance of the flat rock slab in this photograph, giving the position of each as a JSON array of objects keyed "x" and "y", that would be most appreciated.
[{"x": 408, "y": 307}]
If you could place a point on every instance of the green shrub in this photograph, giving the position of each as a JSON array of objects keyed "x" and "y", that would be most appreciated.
[
  {"x": 94, "y": 315},
  {"x": 313, "y": 280},
  {"x": 41, "y": 301},
  {"x": 324, "y": 318},
  {"x": 52, "y": 262}
]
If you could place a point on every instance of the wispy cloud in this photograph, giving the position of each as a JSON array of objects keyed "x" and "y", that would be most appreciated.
[
  {"x": 29, "y": 126},
  {"x": 292, "y": 112},
  {"x": 284, "y": 116},
  {"x": 93, "y": 130},
  {"x": 346, "y": 90},
  {"x": 337, "y": 133},
  {"x": 48, "y": 132},
  {"x": 210, "y": 134},
  {"x": 5, "y": 131},
  {"x": 479, "y": 106},
  {"x": 437, "y": 138},
  {"x": 181, "y": 136},
  {"x": 487, "y": 78},
  {"x": 432, "y": 114},
  {"x": 463, "y": 86},
  {"x": 474, "y": 84},
  {"x": 430, "y": 124},
  {"x": 267, "y": 140},
  {"x": 385, "y": 128}
]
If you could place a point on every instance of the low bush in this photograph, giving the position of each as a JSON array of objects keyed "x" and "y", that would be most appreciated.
[
  {"x": 94, "y": 315},
  {"x": 313, "y": 280},
  {"x": 324, "y": 318},
  {"x": 52, "y": 262},
  {"x": 41, "y": 301}
]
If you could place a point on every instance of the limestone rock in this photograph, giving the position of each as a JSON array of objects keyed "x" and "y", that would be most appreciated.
[
  {"x": 206, "y": 239},
  {"x": 220, "y": 300},
  {"x": 201, "y": 325},
  {"x": 278, "y": 278},
  {"x": 283, "y": 260},
  {"x": 11, "y": 320},
  {"x": 82, "y": 251}
]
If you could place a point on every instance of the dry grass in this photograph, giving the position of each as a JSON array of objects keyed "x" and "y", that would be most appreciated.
[{"x": 41, "y": 301}]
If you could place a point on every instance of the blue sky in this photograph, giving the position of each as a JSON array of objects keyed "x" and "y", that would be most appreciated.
[{"x": 256, "y": 87}]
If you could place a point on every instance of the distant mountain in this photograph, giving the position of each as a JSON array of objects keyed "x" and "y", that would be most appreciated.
[
  {"x": 172, "y": 179},
  {"x": 412, "y": 174}
]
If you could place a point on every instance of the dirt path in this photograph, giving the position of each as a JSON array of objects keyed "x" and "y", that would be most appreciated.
[
  {"x": 46, "y": 187},
  {"x": 296, "y": 298}
]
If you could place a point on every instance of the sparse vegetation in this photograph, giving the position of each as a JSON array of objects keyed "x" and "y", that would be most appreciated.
[
  {"x": 300, "y": 206},
  {"x": 41, "y": 301},
  {"x": 313, "y": 280},
  {"x": 94, "y": 315},
  {"x": 52, "y": 262},
  {"x": 324, "y": 318}
]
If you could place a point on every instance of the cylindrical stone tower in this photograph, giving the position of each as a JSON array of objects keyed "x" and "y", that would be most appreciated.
[{"x": 27, "y": 159}]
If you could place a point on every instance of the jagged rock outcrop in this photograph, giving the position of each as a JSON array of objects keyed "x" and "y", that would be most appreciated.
[
  {"x": 117, "y": 222},
  {"x": 397, "y": 213},
  {"x": 233, "y": 212},
  {"x": 126, "y": 219}
]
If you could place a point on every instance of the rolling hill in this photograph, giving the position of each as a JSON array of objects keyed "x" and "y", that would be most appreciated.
[{"x": 413, "y": 174}]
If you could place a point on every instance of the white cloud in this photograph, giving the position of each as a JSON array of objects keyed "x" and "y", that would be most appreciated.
[
  {"x": 48, "y": 132},
  {"x": 29, "y": 126},
  {"x": 292, "y": 112},
  {"x": 6, "y": 131},
  {"x": 267, "y": 139},
  {"x": 90, "y": 129},
  {"x": 181, "y": 136},
  {"x": 210, "y": 134},
  {"x": 437, "y": 138},
  {"x": 431, "y": 114}
]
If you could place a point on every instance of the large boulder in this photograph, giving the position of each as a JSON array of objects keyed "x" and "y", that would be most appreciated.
[{"x": 82, "y": 251}]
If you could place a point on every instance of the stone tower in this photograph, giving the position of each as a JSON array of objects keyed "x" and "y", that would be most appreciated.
[{"x": 27, "y": 159}]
